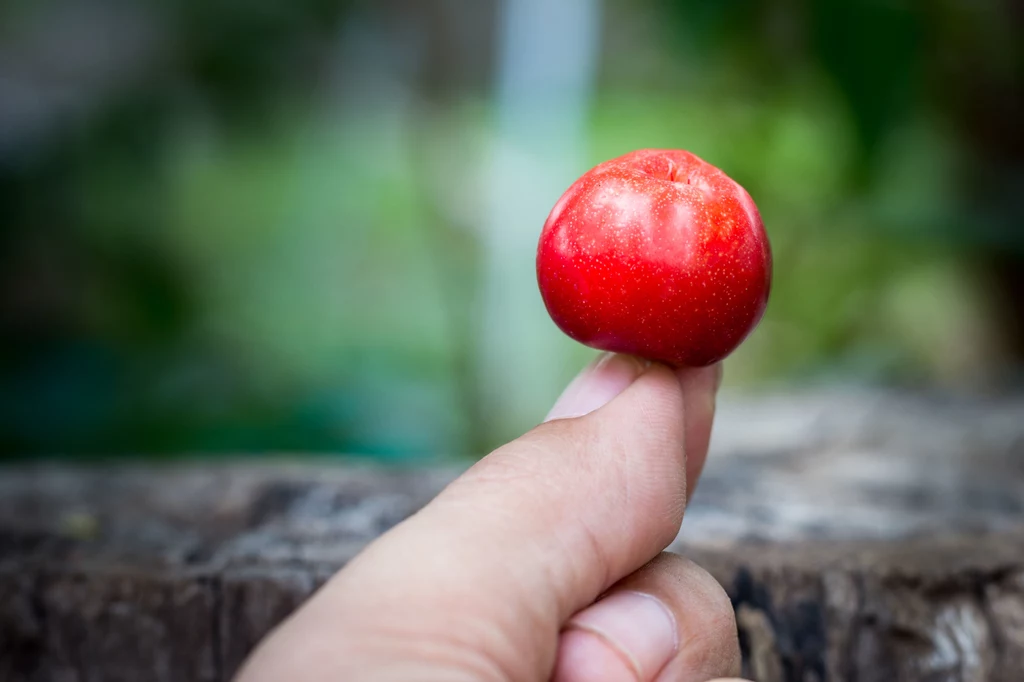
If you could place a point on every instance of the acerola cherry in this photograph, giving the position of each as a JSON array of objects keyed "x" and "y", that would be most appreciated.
[{"x": 659, "y": 254}]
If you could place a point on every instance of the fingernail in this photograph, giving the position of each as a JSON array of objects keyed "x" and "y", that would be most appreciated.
[
  {"x": 638, "y": 626},
  {"x": 595, "y": 387}
]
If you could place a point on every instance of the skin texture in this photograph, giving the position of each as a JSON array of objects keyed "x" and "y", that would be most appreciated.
[
  {"x": 658, "y": 254},
  {"x": 541, "y": 563}
]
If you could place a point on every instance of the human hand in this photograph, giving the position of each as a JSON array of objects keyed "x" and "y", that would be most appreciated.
[{"x": 543, "y": 561}]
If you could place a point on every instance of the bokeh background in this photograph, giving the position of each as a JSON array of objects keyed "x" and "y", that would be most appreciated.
[{"x": 309, "y": 225}]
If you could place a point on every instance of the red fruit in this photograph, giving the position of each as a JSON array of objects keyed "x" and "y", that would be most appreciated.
[{"x": 659, "y": 254}]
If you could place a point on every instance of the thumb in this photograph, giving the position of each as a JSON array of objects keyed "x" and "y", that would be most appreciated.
[{"x": 478, "y": 584}]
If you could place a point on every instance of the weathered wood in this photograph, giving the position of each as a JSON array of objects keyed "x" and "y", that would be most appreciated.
[{"x": 862, "y": 537}]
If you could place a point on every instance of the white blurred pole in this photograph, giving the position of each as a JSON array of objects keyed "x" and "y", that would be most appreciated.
[{"x": 546, "y": 64}]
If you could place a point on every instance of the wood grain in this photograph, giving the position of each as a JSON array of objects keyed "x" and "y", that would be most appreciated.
[{"x": 863, "y": 537}]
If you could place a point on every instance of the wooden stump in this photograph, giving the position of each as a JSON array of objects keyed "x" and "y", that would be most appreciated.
[{"x": 863, "y": 537}]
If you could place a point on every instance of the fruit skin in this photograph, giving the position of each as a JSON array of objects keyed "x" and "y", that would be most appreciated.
[{"x": 658, "y": 254}]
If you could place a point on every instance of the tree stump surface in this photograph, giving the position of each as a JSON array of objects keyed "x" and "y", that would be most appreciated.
[{"x": 862, "y": 536}]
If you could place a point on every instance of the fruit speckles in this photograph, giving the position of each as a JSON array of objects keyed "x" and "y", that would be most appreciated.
[{"x": 656, "y": 253}]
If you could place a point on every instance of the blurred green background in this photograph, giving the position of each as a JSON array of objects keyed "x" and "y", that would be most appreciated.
[{"x": 308, "y": 225}]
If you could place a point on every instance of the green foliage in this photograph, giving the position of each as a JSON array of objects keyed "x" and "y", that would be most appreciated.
[{"x": 222, "y": 258}]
